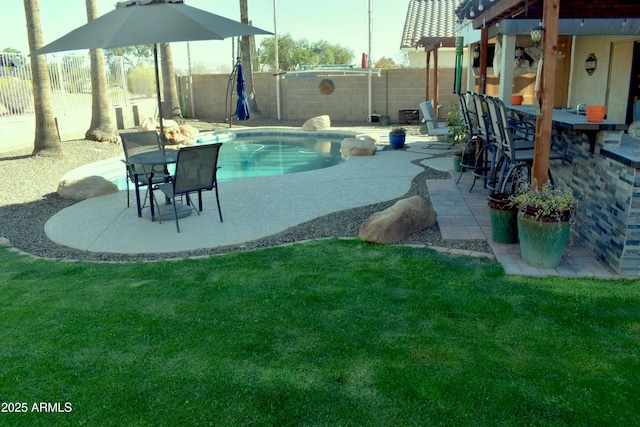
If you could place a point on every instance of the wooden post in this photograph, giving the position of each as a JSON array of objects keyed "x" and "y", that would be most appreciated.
[
  {"x": 427, "y": 96},
  {"x": 484, "y": 48},
  {"x": 435, "y": 80},
  {"x": 550, "y": 16}
]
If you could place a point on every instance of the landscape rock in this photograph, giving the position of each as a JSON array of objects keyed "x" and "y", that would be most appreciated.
[
  {"x": 360, "y": 146},
  {"x": 405, "y": 217},
  {"x": 148, "y": 124},
  {"x": 317, "y": 123},
  {"x": 176, "y": 135},
  {"x": 86, "y": 187},
  {"x": 189, "y": 131}
]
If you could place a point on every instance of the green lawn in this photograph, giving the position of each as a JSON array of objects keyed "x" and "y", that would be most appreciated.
[{"x": 324, "y": 333}]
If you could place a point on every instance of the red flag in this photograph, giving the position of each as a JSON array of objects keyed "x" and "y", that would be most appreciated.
[{"x": 365, "y": 61}]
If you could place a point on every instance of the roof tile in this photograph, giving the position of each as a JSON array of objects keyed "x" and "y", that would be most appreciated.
[{"x": 429, "y": 18}]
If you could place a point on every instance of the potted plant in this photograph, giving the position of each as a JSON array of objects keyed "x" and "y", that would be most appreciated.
[
  {"x": 457, "y": 132},
  {"x": 544, "y": 221},
  {"x": 503, "y": 214},
  {"x": 457, "y": 128},
  {"x": 397, "y": 137}
]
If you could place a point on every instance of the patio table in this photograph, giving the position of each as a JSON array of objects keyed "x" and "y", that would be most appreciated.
[{"x": 149, "y": 161}]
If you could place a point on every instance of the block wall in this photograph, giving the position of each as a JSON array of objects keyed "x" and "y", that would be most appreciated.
[{"x": 392, "y": 91}]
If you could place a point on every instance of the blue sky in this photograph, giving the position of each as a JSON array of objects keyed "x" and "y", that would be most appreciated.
[{"x": 343, "y": 22}]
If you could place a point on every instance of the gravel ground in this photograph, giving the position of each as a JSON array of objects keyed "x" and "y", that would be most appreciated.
[{"x": 32, "y": 200}]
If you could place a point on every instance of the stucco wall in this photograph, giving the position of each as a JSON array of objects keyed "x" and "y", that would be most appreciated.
[{"x": 593, "y": 89}]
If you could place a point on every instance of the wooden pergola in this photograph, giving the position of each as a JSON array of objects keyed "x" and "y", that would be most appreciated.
[
  {"x": 432, "y": 44},
  {"x": 549, "y": 12}
]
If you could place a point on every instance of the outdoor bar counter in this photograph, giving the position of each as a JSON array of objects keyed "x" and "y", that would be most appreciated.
[
  {"x": 567, "y": 120},
  {"x": 602, "y": 166}
]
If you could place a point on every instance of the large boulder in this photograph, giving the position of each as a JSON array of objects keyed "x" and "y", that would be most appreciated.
[
  {"x": 317, "y": 123},
  {"x": 396, "y": 223},
  {"x": 148, "y": 124},
  {"x": 176, "y": 135},
  {"x": 85, "y": 188},
  {"x": 189, "y": 131},
  {"x": 361, "y": 146}
]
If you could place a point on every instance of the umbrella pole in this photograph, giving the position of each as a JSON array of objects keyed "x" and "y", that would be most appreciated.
[
  {"x": 232, "y": 77},
  {"x": 155, "y": 59}
]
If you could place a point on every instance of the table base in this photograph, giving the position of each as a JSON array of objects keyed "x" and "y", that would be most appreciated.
[{"x": 165, "y": 212}]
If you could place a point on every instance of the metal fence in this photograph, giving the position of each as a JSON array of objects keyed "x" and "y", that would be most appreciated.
[{"x": 128, "y": 80}]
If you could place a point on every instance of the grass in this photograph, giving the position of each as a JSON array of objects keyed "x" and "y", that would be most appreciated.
[{"x": 323, "y": 333}]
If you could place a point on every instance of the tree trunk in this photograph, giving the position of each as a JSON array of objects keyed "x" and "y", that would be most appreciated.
[
  {"x": 47, "y": 140},
  {"x": 246, "y": 62},
  {"x": 171, "y": 106},
  {"x": 102, "y": 127}
]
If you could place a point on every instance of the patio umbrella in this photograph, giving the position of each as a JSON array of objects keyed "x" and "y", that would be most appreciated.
[
  {"x": 143, "y": 22},
  {"x": 243, "y": 112}
]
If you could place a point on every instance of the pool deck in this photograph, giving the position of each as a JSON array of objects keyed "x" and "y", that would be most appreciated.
[{"x": 259, "y": 207}]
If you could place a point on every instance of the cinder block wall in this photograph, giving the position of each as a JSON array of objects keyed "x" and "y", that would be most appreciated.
[{"x": 394, "y": 90}]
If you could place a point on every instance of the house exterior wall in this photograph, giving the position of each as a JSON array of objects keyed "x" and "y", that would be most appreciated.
[{"x": 446, "y": 57}]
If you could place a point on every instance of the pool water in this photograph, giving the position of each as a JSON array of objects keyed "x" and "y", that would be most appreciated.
[{"x": 252, "y": 155}]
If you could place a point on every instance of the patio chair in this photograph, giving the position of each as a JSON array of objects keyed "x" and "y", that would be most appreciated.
[
  {"x": 430, "y": 120},
  {"x": 136, "y": 143},
  {"x": 513, "y": 167},
  {"x": 196, "y": 171},
  {"x": 483, "y": 145}
]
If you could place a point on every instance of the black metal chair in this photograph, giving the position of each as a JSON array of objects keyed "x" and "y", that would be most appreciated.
[
  {"x": 513, "y": 168},
  {"x": 137, "y": 143},
  {"x": 473, "y": 141},
  {"x": 196, "y": 171},
  {"x": 481, "y": 144}
]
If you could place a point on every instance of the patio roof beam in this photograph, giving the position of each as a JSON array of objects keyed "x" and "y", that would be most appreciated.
[{"x": 533, "y": 9}]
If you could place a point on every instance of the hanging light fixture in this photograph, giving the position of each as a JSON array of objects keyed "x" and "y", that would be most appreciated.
[
  {"x": 476, "y": 56},
  {"x": 536, "y": 34}
]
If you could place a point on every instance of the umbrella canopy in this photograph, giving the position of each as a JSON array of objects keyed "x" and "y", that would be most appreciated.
[
  {"x": 143, "y": 22},
  {"x": 133, "y": 23},
  {"x": 243, "y": 112}
]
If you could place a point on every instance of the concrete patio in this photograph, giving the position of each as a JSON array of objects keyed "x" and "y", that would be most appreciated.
[{"x": 255, "y": 208}]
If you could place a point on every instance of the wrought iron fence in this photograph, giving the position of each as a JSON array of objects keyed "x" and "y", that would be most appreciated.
[{"x": 128, "y": 79}]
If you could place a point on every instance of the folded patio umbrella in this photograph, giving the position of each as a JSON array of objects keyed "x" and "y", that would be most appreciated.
[
  {"x": 143, "y": 22},
  {"x": 243, "y": 112}
]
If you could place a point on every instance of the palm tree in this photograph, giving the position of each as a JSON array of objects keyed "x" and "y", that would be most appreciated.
[
  {"x": 171, "y": 107},
  {"x": 47, "y": 140},
  {"x": 102, "y": 127},
  {"x": 246, "y": 60}
]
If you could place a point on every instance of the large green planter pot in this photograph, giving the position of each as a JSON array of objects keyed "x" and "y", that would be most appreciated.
[
  {"x": 469, "y": 160},
  {"x": 542, "y": 243},
  {"x": 504, "y": 223},
  {"x": 456, "y": 163}
]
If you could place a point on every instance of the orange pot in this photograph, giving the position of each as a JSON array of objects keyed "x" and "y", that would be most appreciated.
[
  {"x": 595, "y": 113},
  {"x": 516, "y": 99}
]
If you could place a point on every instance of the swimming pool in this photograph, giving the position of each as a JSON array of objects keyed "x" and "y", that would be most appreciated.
[
  {"x": 249, "y": 153},
  {"x": 262, "y": 153}
]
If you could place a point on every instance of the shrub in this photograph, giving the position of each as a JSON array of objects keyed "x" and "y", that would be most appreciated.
[
  {"x": 456, "y": 125},
  {"x": 141, "y": 81},
  {"x": 16, "y": 94}
]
